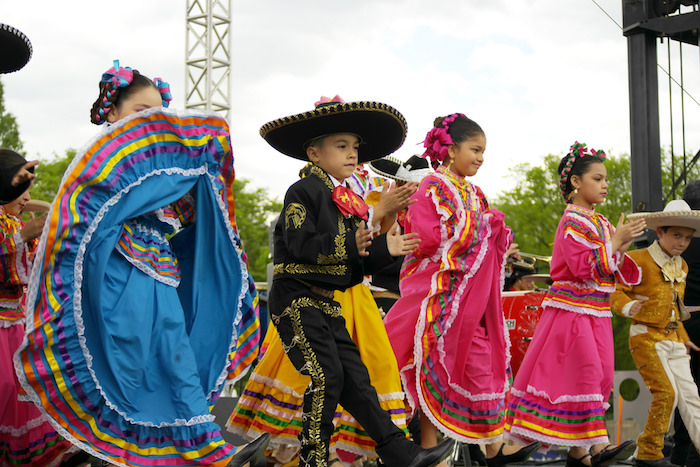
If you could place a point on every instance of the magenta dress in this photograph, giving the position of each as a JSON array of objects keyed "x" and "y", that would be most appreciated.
[
  {"x": 561, "y": 391},
  {"x": 447, "y": 330},
  {"x": 26, "y": 436}
]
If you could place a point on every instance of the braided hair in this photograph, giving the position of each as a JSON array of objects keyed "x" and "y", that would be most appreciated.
[
  {"x": 112, "y": 94},
  {"x": 576, "y": 162},
  {"x": 117, "y": 84}
]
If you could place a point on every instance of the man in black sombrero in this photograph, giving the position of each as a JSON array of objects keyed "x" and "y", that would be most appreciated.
[
  {"x": 322, "y": 244},
  {"x": 15, "y": 175}
]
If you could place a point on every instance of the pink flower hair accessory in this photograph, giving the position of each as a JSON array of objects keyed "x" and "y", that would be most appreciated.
[
  {"x": 437, "y": 140},
  {"x": 575, "y": 151}
]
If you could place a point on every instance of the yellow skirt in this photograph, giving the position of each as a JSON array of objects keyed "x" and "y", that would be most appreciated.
[{"x": 272, "y": 400}]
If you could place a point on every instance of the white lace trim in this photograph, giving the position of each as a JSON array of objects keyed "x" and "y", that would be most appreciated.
[
  {"x": 8, "y": 323},
  {"x": 9, "y": 304},
  {"x": 561, "y": 399},
  {"x": 21, "y": 254},
  {"x": 171, "y": 221},
  {"x": 576, "y": 309},
  {"x": 150, "y": 272},
  {"x": 23, "y": 430},
  {"x": 589, "y": 284}
]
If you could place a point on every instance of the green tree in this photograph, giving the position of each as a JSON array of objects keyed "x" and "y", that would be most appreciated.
[
  {"x": 533, "y": 208},
  {"x": 49, "y": 175},
  {"x": 254, "y": 211},
  {"x": 9, "y": 130}
]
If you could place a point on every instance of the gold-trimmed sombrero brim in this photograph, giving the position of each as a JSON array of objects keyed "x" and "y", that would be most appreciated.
[
  {"x": 685, "y": 218},
  {"x": 15, "y": 49},
  {"x": 381, "y": 127}
]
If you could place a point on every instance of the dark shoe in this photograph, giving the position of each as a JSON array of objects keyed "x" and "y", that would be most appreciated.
[
  {"x": 573, "y": 462},
  {"x": 523, "y": 454},
  {"x": 254, "y": 453},
  {"x": 433, "y": 456},
  {"x": 616, "y": 453},
  {"x": 76, "y": 459},
  {"x": 665, "y": 462}
]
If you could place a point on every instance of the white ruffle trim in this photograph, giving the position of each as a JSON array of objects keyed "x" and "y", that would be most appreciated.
[
  {"x": 576, "y": 309},
  {"x": 561, "y": 399},
  {"x": 8, "y": 323},
  {"x": 171, "y": 221},
  {"x": 30, "y": 425}
]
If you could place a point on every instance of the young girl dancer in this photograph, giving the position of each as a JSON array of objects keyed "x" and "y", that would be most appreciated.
[
  {"x": 561, "y": 391},
  {"x": 26, "y": 437},
  {"x": 447, "y": 329},
  {"x": 131, "y": 332}
]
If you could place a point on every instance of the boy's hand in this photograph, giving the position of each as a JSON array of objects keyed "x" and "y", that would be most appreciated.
[
  {"x": 363, "y": 239},
  {"x": 24, "y": 174},
  {"x": 690, "y": 346},
  {"x": 636, "y": 306},
  {"x": 401, "y": 245},
  {"x": 626, "y": 232}
]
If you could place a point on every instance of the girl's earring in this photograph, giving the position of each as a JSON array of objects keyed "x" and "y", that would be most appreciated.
[
  {"x": 449, "y": 164},
  {"x": 572, "y": 194}
]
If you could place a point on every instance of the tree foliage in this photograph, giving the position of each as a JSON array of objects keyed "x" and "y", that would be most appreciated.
[
  {"x": 9, "y": 130},
  {"x": 254, "y": 210}
]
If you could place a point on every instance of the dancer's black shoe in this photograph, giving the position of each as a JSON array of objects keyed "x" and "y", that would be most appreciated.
[{"x": 254, "y": 452}]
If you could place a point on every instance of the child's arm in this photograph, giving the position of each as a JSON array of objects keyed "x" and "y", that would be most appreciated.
[{"x": 625, "y": 233}]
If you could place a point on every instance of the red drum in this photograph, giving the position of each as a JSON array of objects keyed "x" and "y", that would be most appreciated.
[{"x": 522, "y": 310}]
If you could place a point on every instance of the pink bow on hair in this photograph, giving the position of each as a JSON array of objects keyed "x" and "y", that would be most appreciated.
[
  {"x": 327, "y": 100},
  {"x": 118, "y": 76}
]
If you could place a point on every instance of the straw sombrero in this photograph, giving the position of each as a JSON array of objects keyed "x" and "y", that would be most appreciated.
[
  {"x": 413, "y": 170},
  {"x": 381, "y": 128},
  {"x": 677, "y": 213},
  {"x": 15, "y": 49}
]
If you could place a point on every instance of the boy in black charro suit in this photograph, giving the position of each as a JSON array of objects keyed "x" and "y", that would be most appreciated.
[{"x": 321, "y": 244}]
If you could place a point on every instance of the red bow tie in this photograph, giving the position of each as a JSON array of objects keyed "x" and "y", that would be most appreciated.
[{"x": 349, "y": 203}]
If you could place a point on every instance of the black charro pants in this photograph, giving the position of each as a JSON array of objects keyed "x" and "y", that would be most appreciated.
[{"x": 315, "y": 339}]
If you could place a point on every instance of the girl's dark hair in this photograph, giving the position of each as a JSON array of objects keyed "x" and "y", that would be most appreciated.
[
  {"x": 461, "y": 129},
  {"x": 691, "y": 194},
  {"x": 580, "y": 166},
  {"x": 115, "y": 96}
]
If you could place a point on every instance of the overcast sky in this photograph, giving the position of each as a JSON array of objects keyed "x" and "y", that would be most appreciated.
[{"x": 536, "y": 75}]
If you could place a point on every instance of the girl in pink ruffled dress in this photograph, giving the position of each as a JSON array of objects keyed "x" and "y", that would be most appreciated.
[
  {"x": 447, "y": 330},
  {"x": 561, "y": 391}
]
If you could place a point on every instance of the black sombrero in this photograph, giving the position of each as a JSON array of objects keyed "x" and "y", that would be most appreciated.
[
  {"x": 15, "y": 49},
  {"x": 413, "y": 170},
  {"x": 381, "y": 128}
]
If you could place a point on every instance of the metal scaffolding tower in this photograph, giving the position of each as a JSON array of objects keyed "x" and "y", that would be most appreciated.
[
  {"x": 644, "y": 23},
  {"x": 208, "y": 55}
]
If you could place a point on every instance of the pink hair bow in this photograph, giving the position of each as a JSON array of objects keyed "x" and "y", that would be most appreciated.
[
  {"x": 118, "y": 76},
  {"x": 328, "y": 100},
  {"x": 164, "y": 89}
]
